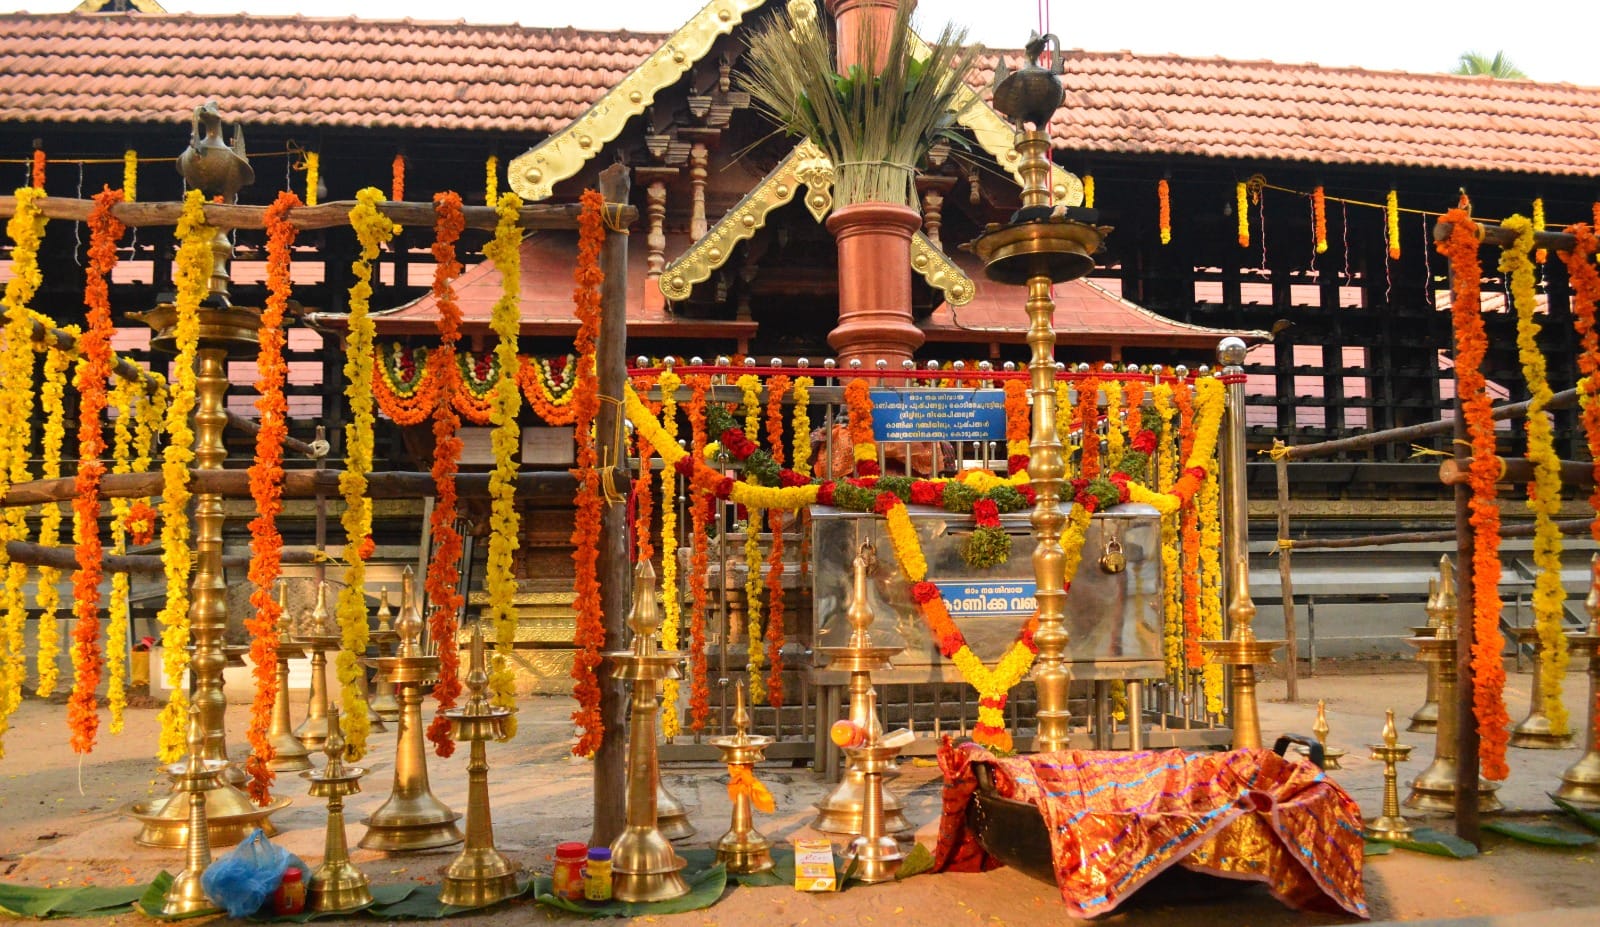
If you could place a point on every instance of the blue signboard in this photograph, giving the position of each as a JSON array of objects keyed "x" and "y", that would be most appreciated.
[
  {"x": 939, "y": 414},
  {"x": 985, "y": 598}
]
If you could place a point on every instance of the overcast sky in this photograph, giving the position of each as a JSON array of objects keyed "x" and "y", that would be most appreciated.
[{"x": 1551, "y": 42}]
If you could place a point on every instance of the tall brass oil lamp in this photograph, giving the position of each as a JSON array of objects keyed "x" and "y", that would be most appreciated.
[
  {"x": 383, "y": 702},
  {"x": 1331, "y": 755},
  {"x": 1534, "y": 731},
  {"x": 1241, "y": 651},
  {"x": 1390, "y": 826},
  {"x": 1043, "y": 244},
  {"x": 1580, "y": 784},
  {"x": 411, "y": 818},
  {"x": 743, "y": 849},
  {"x": 288, "y": 753},
  {"x": 216, "y": 169},
  {"x": 643, "y": 864},
  {"x": 318, "y": 636},
  {"x": 480, "y": 874},
  {"x": 1434, "y": 789},
  {"x": 194, "y": 779},
  {"x": 842, "y": 812},
  {"x": 336, "y": 885},
  {"x": 876, "y": 853},
  {"x": 1425, "y": 720}
]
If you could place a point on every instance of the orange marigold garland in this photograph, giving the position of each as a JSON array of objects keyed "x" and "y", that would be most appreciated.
[
  {"x": 83, "y": 714},
  {"x": 266, "y": 490},
  {"x": 1585, "y": 282},
  {"x": 1241, "y": 205},
  {"x": 1319, "y": 219},
  {"x": 858, "y": 408},
  {"x": 36, "y": 176},
  {"x": 1017, "y": 425},
  {"x": 442, "y": 585},
  {"x": 1088, "y": 419},
  {"x": 701, "y": 506},
  {"x": 591, "y": 632},
  {"x": 1488, "y": 669},
  {"x": 777, "y": 387},
  {"x": 1164, "y": 199},
  {"x": 397, "y": 178}
]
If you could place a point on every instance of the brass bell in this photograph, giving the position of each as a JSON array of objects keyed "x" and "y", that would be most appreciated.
[{"x": 1112, "y": 559}]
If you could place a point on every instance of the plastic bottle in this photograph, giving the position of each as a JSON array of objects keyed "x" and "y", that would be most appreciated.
[
  {"x": 566, "y": 880},
  {"x": 290, "y": 897},
  {"x": 597, "y": 875}
]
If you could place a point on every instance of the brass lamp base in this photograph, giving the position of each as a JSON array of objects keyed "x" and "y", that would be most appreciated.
[
  {"x": 1243, "y": 656},
  {"x": 288, "y": 754},
  {"x": 672, "y": 818},
  {"x": 1533, "y": 733},
  {"x": 395, "y": 831},
  {"x": 1425, "y": 720},
  {"x": 230, "y": 817},
  {"x": 744, "y": 853},
  {"x": 876, "y": 854},
  {"x": 338, "y": 887},
  {"x": 1435, "y": 790},
  {"x": 1580, "y": 784},
  {"x": 1387, "y": 829},
  {"x": 477, "y": 877},
  {"x": 841, "y": 812},
  {"x": 645, "y": 868}
]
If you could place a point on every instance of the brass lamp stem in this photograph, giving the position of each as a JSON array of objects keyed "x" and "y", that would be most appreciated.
[{"x": 1045, "y": 470}]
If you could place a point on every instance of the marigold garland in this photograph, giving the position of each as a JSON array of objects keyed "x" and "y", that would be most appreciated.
[
  {"x": 266, "y": 490},
  {"x": 1391, "y": 212},
  {"x": 36, "y": 176},
  {"x": 1017, "y": 423},
  {"x": 1319, "y": 219},
  {"x": 777, "y": 388},
  {"x": 1488, "y": 669},
  {"x": 26, "y": 229},
  {"x": 443, "y": 583},
  {"x": 590, "y": 634},
  {"x": 313, "y": 180},
  {"x": 373, "y": 230},
  {"x": 52, "y": 399},
  {"x": 130, "y": 175},
  {"x": 397, "y": 178},
  {"x": 750, "y": 387},
  {"x": 671, "y": 600},
  {"x": 1544, "y": 490},
  {"x": 802, "y": 463},
  {"x": 1088, "y": 422},
  {"x": 1088, "y": 191},
  {"x": 504, "y": 523},
  {"x": 491, "y": 180},
  {"x": 1164, "y": 201},
  {"x": 1585, "y": 283},
  {"x": 858, "y": 409},
  {"x": 700, "y": 506},
  {"x": 121, "y": 399},
  {"x": 1210, "y": 519},
  {"x": 1171, "y": 568},
  {"x": 1538, "y": 226},
  {"x": 1116, "y": 438},
  {"x": 1241, "y": 208}
]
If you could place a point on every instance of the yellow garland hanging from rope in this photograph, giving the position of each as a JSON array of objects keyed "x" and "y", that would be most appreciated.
[
  {"x": 313, "y": 178},
  {"x": 52, "y": 398},
  {"x": 671, "y": 601},
  {"x": 504, "y": 525},
  {"x": 373, "y": 230},
  {"x": 130, "y": 175},
  {"x": 120, "y": 399},
  {"x": 192, "y": 277},
  {"x": 1171, "y": 571},
  {"x": 1211, "y": 584},
  {"x": 1241, "y": 206},
  {"x": 1544, "y": 491},
  {"x": 1391, "y": 212},
  {"x": 750, "y": 387},
  {"x": 26, "y": 230}
]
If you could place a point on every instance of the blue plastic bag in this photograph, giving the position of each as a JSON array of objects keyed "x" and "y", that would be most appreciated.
[{"x": 244, "y": 879}]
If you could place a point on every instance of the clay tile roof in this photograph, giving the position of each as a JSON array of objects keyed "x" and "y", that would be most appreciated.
[
  {"x": 295, "y": 70},
  {"x": 1258, "y": 110}
]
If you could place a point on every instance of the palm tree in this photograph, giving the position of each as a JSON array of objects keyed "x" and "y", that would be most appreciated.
[{"x": 1499, "y": 67}]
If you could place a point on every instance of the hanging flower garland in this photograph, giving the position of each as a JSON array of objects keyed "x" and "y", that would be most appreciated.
[
  {"x": 671, "y": 600},
  {"x": 1088, "y": 191},
  {"x": 1171, "y": 567},
  {"x": 52, "y": 399},
  {"x": 130, "y": 175},
  {"x": 36, "y": 176},
  {"x": 590, "y": 634},
  {"x": 802, "y": 463},
  {"x": 121, "y": 400},
  {"x": 1088, "y": 422},
  {"x": 1544, "y": 490},
  {"x": 1319, "y": 219},
  {"x": 547, "y": 383},
  {"x": 1585, "y": 282},
  {"x": 1391, "y": 212},
  {"x": 1210, "y": 524},
  {"x": 1016, "y": 408},
  {"x": 26, "y": 229},
  {"x": 863, "y": 446},
  {"x": 701, "y": 507},
  {"x": 1488, "y": 669},
  {"x": 777, "y": 388},
  {"x": 491, "y": 180},
  {"x": 504, "y": 523},
  {"x": 266, "y": 491},
  {"x": 1164, "y": 204},
  {"x": 1241, "y": 208},
  {"x": 313, "y": 165},
  {"x": 192, "y": 277},
  {"x": 373, "y": 230},
  {"x": 443, "y": 582},
  {"x": 397, "y": 178},
  {"x": 1538, "y": 226},
  {"x": 1116, "y": 439},
  {"x": 750, "y": 387}
]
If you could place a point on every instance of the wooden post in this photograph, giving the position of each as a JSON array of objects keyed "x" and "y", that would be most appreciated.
[
  {"x": 616, "y": 586},
  {"x": 1286, "y": 581},
  {"x": 1467, "y": 719}
]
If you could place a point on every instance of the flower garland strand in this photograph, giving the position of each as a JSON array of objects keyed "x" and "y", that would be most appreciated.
[
  {"x": 1088, "y": 191},
  {"x": 504, "y": 523},
  {"x": 266, "y": 491},
  {"x": 1391, "y": 212},
  {"x": 750, "y": 387},
  {"x": 777, "y": 388},
  {"x": 52, "y": 399},
  {"x": 443, "y": 582},
  {"x": 1241, "y": 209},
  {"x": 1210, "y": 519},
  {"x": 1540, "y": 255},
  {"x": 130, "y": 175},
  {"x": 858, "y": 409},
  {"x": 701, "y": 508},
  {"x": 192, "y": 276},
  {"x": 1585, "y": 282},
  {"x": 1171, "y": 568},
  {"x": 26, "y": 230},
  {"x": 671, "y": 599},
  {"x": 121, "y": 399},
  {"x": 1017, "y": 424},
  {"x": 1164, "y": 208},
  {"x": 1544, "y": 490},
  {"x": 590, "y": 634},
  {"x": 373, "y": 230},
  {"x": 1319, "y": 220},
  {"x": 801, "y": 419},
  {"x": 1488, "y": 669}
]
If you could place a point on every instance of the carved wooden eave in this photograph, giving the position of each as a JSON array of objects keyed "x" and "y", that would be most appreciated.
[{"x": 535, "y": 173}]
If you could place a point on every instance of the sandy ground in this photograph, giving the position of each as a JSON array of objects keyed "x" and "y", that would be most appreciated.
[{"x": 59, "y": 823}]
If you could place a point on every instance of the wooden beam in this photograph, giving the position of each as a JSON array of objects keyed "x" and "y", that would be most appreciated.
[
  {"x": 1500, "y": 237},
  {"x": 1524, "y": 530},
  {"x": 1579, "y": 473},
  {"x": 321, "y": 216},
  {"x": 1565, "y": 399},
  {"x": 66, "y": 559}
]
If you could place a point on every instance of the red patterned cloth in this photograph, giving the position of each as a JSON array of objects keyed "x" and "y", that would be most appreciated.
[{"x": 1116, "y": 820}]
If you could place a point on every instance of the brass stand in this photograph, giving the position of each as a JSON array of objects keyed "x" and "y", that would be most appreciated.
[
  {"x": 1391, "y": 826},
  {"x": 336, "y": 886},
  {"x": 383, "y": 702},
  {"x": 672, "y": 818},
  {"x": 1534, "y": 731},
  {"x": 643, "y": 864},
  {"x": 1435, "y": 788},
  {"x": 1319, "y": 729},
  {"x": 288, "y": 753},
  {"x": 1580, "y": 784},
  {"x": 876, "y": 853},
  {"x": 743, "y": 849},
  {"x": 480, "y": 874},
  {"x": 843, "y": 811},
  {"x": 318, "y": 635},
  {"x": 411, "y": 818},
  {"x": 1425, "y": 720},
  {"x": 1241, "y": 650},
  {"x": 194, "y": 780}
]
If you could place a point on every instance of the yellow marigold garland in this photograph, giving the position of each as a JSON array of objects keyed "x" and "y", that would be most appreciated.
[
  {"x": 1319, "y": 219},
  {"x": 1241, "y": 208},
  {"x": 750, "y": 387},
  {"x": 671, "y": 601},
  {"x": 1544, "y": 490},
  {"x": 130, "y": 175},
  {"x": 313, "y": 166},
  {"x": 373, "y": 229},
  {"x": 504, "y": 524},
  {"x": 1538, "y": 226},
  {"x": 192, "y": 276},
  {"x": 26, "y": 229},
  {"x": 491, "y": 180},
  {"x": 1391, "y": 211},
  {"x": 1171, "y": 571},
  {"x": 1164, "y": 210},
  {"x": 1211, "y": 584},
  {"x": 52, "y": 398},
  {"x": 802, "y": 462},
  {"x": 120, "y": 399},
  {"x": 1088, "y": 191}
]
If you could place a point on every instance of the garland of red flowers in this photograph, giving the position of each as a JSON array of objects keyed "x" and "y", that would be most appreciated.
[
  {"x": 777, "y": 387},
  {"x": 266, "y": 490},
  {"x": 701, "y": 509},
  {"x": 397, "y": 178},
  {"x": 442, "y": 585},
  {"x": 1488, "y": 670},
  {"x": 83, "y": 712},
  {"x": 591, "y": 632},
  {"x": 1585, "y": 282}
]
